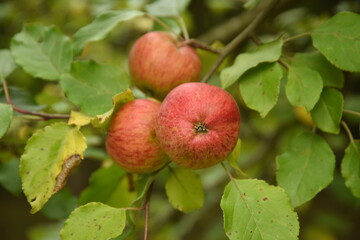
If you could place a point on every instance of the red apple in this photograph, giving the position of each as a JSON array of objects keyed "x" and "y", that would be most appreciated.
[
  {"x": 131, "y": 139},
  {"x": 158, "y": 63},
  {"x": 198, "y": 125}
]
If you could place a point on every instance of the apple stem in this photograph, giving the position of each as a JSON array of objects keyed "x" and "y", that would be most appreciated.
[
  {"x": 131, "y": 185},
  {"x": 44, "y": 116},
  {"x": 242, "y": 36},
  {"x": 198, "y": 44}
]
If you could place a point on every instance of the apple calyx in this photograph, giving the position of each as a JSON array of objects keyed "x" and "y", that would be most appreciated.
[{"x": 200, "y": 128}]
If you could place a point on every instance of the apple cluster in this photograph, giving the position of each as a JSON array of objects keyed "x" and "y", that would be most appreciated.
[{"x": 197, "y": 125}]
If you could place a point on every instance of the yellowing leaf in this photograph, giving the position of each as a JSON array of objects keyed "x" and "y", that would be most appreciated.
[
  {"x": 79, "y": 119},
  {"x": 47, "y": 155},
  {"x": 118, "y": 100}
]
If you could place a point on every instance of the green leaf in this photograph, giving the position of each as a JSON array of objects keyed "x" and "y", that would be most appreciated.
[
  {"x": 102, "y": 184},
  {"x": 255, "y": 210},
  {"x": 6, "y": 114},
  {"x": 118, "y": 100},
  {"x": 60, "y": 205},
  {"x": 49, "y": 156},
  {"x": 350, "y": 166},
  {"x": 42, "y": 51},
  {"x": 102, "y": 120},
  {"x": 269, "y": 52},
  {"x": 331, "y": 76},
  {"x": 7, "y": 64},
  {"x": 9, "y": 176},
  {"x": 102, "y": 26},
  {"x": 250, "y": 4},
  {"x": 143, "y": 183},
  {"x": 167, "y": 8},
  {"x": 328, "y": 110},
  {"x": 92, "y": 86},
  {"x": 94, "y": 221},
  {"x": 184, "y": 190},
  {"x": 21, "y": 98},
  {"x": 339, "y": 40},
  {"x": 260, "y": 87},
  {"x": 305, "y": 168},
  {"x": 303, "y": 87}
]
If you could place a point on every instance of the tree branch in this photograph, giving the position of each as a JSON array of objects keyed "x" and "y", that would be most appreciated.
[
  {"x": 239, "y": 39},
  {"x": 44, "y": 116}
]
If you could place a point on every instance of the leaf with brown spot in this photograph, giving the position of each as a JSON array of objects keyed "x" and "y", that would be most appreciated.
[
  {"x": 40, "y": 169},
  {"x": 82, "y": 223}
]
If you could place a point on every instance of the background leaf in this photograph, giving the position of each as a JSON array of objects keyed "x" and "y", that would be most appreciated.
[
  {"x": 331, "y": 76},
  {"x": 102, "y": 185},
  {"x": 102, "y": 26},
  {"x": 42, "y": 51},
  {"x": 350, "y": 166},
  {"x": 268, "y": 52},
  {"x": 7, "y": 64},
  {"x": 9, "y": 176},
  {"x": 303, "y": 87},
  {"x": 167, "y": 8},
  {"x": 94, "y": 221},
  {"x": 339, "y": 39},
  {"x": 92, "y": 86},
  {"x": 6, "y": 114},
  {"x": 255, "y": 210},
  {"x": 260, "y": 87},
  {"x": 118, "y": 101},
  {"x": 233, "y": 158},
  {"x": 328, "y": 110},
  {"x": 60, "y": 205},
  {"x": 43, "y": 159},
  {"x": 184, "y": 190},
  {"x": 305, "y": 168}
]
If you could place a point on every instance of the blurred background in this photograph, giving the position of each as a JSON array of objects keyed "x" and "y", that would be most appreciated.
[{"x": 334, "y": 214}]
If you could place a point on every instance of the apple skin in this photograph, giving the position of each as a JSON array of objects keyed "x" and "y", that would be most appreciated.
[
  {"x": 131, "y": 140},
  {"x": 157, "y": 64},
  {"x": 198, "y": 125}
]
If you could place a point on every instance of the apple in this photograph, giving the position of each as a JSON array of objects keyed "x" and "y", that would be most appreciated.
[
  {"x": 131, "y": 141},
  {"x": 198, "y": 125},
  {"x": 158, "y": 63}
]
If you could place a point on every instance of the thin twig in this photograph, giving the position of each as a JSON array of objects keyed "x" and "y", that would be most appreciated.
[
  {"x": 45, "y": 116},
  {"x": 147, "y": 212},
  {"x": 352, "y": 112},
  {"x": 348, "y": 132},
  {"x": 238, "y": 40},
  {"x": 297, "y": 37},
  {"x": 198, "y": 44}
]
